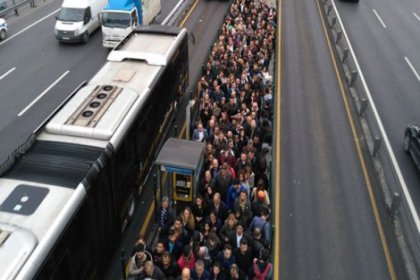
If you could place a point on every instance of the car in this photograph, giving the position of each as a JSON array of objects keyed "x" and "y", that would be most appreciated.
[
  {"x": 3, "y": 29},
  {"x": 412, "y": 143}
]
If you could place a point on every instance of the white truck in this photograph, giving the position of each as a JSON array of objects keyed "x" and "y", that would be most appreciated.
[
  {"x": 78, "y": 19},
  {"x": 3, "y": 29},
  {"x": 120, "y": 17}
]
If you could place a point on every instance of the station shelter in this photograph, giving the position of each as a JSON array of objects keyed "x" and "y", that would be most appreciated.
[{"x": 178, "y": 169}]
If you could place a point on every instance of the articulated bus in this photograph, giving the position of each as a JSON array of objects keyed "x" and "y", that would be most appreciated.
[{"x": 67, "y": 195}]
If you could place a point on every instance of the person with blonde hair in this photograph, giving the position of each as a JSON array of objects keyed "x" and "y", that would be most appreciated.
[
  {"x": 228, "y": 228},
  {"x": 188, "y": 220}
]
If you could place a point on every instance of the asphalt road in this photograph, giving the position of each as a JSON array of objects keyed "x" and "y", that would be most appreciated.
[
  {"x": 328, "y": 227},
  {"x": 37, "y": 64},
  {"x": 386, "y": 40}
]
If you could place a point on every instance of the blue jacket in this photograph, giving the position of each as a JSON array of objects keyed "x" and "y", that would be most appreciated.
[{"x": 232, "y": 194}]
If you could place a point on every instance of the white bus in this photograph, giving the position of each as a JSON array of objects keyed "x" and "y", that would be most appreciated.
[{"x": 67, "y": 195}]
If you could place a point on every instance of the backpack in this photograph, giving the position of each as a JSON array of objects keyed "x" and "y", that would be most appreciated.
[{"x": 258, "y": 275}]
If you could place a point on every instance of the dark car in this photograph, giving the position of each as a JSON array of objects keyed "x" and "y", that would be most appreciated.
[{"x": 412, "y": 143}]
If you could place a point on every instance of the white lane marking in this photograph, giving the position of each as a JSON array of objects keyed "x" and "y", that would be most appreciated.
[
  {"x": 42, "y": 94},
  {"x": 412, "y": 68},
  {"x": 7, "y": 73},
  {"x": 382, "y": 129},
  {"x": 28, "y": 27},
  {"x": 379, "y": 18},
  {"x": 416, "y": 16}
]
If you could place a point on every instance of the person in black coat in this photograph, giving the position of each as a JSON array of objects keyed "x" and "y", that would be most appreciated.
[
  {"x": 243, "y": 256},
  {"x": 168, "y": 266},
  {"x": 173, "y": 245},
  {"x": 219, "y": 207}
]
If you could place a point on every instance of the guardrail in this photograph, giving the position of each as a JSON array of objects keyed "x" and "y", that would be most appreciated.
[
  {"x": 400, "y": 206},
  {"x": 12, "y": 7}
]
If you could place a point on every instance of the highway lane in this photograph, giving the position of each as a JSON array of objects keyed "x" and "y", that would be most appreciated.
[
  {"x": 389, "y": 59},
  {"x": 328, "y": 225},
  {"x": 34, "y": 63}
]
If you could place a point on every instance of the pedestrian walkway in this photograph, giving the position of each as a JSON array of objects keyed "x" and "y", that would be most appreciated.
[{"x": 226, "y": 232}]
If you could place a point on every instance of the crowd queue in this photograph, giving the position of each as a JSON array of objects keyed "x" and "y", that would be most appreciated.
[{"x": 225, "y": 233}]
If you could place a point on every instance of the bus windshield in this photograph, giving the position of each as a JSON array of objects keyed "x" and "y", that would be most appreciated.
[
  {"x": 112, "y": 19},
  {"x": 71, "y": 14}
]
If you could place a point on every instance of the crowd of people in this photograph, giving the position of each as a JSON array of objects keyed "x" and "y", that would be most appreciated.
[{"x": 226, "y": 232}]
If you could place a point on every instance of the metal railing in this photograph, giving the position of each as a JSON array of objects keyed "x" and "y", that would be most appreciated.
[
  {"x": 9, "y": 8},
  {"x": 400, "y": 208}
]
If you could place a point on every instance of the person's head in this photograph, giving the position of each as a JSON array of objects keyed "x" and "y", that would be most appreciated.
[
  {"x": 243, "y": 245},
  {"x": 265, "y": 255},
  {"x": 160, "y": 246},
  {"x": 216, "y": 268},
  {"x": 206, "y": 227},
  {"x": 140, "y": 251},
  {"x": 239, "y": 228},
  {"x": 261, "y": 195},
  {"x": 231, "y": 220},
  {"x": 187, "y": 252},
  {"x": 187, "y": 213},
  {"x": 141, "y": 240},
  {"x": 172, "y": 234},
  {"x": 178, "y": 224},
  {"x": 186, "y": 274},
  {"x": 265, "y": 212},
  {"x": 199, "y": 267},
  {"x": 165, "y": 202},
  {"x": 199, "y": 200},
  {"x": 213, "y": 216},
  {"x": 149, "y": 267},
  {"x": 234, "y": 271},
  {"x": 241, "y": 175},
  {"x": 212, "y": 238},
  {"x": 236, "y": 184},
  {"x": 243, "y": 156},
  {"x": 256, "y": 233},
  {"x": 243, "y": 196},
  {"x": 166, "y": 258},
  {"x": 260, "y": 184},
  {"x": 207, "y": 175},
  {"x": 215, "y": 164},
  {"x": 216, "y": 198},
  {"x": 227, "y": 251}
]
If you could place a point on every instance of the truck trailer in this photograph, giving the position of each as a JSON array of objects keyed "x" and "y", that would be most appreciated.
[{"x": 120, "y": 17}]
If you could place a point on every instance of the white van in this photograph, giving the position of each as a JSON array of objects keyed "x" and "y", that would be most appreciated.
[{"x": 78, "y": 19}]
